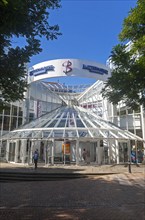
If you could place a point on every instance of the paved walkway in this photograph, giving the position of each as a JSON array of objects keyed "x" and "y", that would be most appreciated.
[
  {"x": 118, "y": 196},
  {"x": 83, "y": 168}
]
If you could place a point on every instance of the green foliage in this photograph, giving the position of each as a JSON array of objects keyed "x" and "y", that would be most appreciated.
[
  {"x": 127, "y": 82},
  {"x": 28, "y": 19},
  {"x": 128, "y": 79},
  {"x": 134, "y": 24}
]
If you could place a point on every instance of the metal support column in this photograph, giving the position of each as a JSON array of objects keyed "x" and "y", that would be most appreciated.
[
  {"x": 7, "y": 150},
  {"x": 77, "y": 152},
  {"x": 99, "y": 153},
  {"x": 16, "y": 151},
  {"x": 117, "y": 151},
  {"x": 52, "y": 152}
]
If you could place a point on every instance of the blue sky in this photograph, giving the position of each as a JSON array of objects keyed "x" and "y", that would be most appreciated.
[{"x": 89, "y": 29}]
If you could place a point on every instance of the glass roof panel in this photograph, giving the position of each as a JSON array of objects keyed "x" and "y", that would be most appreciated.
[
  {"x": 84, "y": 133},
  {"x": 70, "y": 134},
  {"x": 52, "y": 124},
  {"x": 58, "y": 133},
  {"x": 71, "y": 122},
  {"x": 46, "y": 134},
  {"x": 61, "y": 123},
  {"x": 79, "y": 123}
]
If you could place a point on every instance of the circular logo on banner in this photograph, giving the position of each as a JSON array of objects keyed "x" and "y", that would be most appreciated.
[{"x": 67, "y": 67}]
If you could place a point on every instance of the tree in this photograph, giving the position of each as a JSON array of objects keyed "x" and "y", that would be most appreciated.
[
  {"x": 27, "y": 19},
  {"x": 127, "y": 82}
]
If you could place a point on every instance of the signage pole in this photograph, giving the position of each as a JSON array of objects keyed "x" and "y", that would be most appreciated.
[{"x": 129, "y": 157}]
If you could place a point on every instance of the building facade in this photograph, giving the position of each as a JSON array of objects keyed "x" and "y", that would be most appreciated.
[{"x": 61, "y": 120}]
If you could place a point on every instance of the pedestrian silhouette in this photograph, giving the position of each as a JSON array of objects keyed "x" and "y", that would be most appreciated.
[{"x": 35, "y": 158}]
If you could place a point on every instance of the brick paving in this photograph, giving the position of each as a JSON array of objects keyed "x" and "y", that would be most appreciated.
[{"x": 118, "y": 196}]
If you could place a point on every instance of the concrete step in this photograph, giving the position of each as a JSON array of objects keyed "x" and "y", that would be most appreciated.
[{"x": 35, "y": 176}]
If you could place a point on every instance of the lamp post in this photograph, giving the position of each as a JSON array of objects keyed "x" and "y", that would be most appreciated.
[{"x": 129, "y": 157}]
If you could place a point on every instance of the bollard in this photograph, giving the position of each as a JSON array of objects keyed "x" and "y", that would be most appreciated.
[{"x": 129, "y": 166}]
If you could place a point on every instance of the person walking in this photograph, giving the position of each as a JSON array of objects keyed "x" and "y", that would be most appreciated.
[
  {"x": 35, "y": 158},
  {"x": 84, "y": 154}
]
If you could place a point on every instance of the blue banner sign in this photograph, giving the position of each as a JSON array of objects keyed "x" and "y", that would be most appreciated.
[
  {"x": 95, "y": 69},
  {"x": 41, "y": 70}
]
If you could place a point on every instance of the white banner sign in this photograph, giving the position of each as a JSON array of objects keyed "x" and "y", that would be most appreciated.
[{"x": 68, "y": 67}]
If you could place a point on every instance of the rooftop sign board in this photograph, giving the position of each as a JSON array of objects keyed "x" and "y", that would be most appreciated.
[{"x": 68, "y": 67}]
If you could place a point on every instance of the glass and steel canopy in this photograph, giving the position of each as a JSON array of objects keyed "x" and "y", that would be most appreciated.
[{"x": 70, "y": 122}]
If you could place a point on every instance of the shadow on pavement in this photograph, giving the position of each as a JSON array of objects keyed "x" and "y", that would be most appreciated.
[{"x": 109, "y": 197}]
